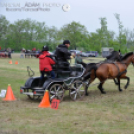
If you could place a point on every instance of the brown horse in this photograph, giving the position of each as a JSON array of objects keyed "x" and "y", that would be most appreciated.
[
  {"x": 90, "y": 67},
  {"x": 114, "y": 70},
  {"x": 114, "y": 56}
]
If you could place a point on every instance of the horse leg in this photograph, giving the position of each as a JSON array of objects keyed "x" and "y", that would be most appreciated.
[
  {"x": 119, "y": 85},
  {"x": 86, "y": 87},
  {"x": 92, "y": 78},
  {"x": 101, "y": 88},
  {"x": 116, "y": 83},
  {"x": 128, "y": 81}
]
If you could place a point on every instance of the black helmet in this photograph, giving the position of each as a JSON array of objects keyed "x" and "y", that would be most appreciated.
[
  {"x": 66, "y": 42},
  {"x": 45, "y": 48}
]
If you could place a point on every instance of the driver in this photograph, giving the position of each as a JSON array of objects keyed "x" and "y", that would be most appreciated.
[{"x": 63, "y": 55}]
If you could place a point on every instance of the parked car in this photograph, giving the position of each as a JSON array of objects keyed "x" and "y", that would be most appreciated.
[
  {"x": 90, "y": 54},
  {"x": 76, "y": 52},
  {"x": 84, "y": 54}
]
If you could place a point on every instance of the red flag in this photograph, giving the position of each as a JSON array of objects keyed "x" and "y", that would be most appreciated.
[{"x": 55, "y": 104}]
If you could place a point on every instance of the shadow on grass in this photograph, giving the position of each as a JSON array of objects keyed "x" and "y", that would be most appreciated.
[{"x": 92, "y": 95}]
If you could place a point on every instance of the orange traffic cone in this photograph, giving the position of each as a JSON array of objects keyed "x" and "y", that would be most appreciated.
[
  {"x": 16, "y": 62},
  {"x": 10, "y": 62},
  {"x": 9, "y": 94},
  {"x": 45, "y": 101}
]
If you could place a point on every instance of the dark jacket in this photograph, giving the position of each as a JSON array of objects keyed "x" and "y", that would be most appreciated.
[
  {"x": 45, "y": 62},
  {"x": 62, "y": 53}
]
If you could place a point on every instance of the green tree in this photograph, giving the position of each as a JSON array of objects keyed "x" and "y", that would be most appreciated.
[
  {"x": 4, "y": 23},
  {"x": 75, "y": 32},
  {"x": 52, "y": 37},
  {"x": 94, "y": 42},
  {"x": 121, "y": 37}
]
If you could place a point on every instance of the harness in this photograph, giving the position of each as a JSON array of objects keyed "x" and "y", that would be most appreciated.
[
  {"x": 111, "y": 62},
  {"x": 120, "y": 73}
]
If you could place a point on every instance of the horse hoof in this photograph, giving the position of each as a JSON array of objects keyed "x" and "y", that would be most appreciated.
[
  {"x": 126, "y": 87},
  {"x": 86, "y": 94},
  {"x": 120, "y": 90},
  {"x": 103, "y": 92}
]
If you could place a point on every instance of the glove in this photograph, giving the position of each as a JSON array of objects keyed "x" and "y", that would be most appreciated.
[{"x": 71, "y": 57}]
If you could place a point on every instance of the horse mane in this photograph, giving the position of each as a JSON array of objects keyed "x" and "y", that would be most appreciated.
[
  {"x": 126, "y": 55},
  {"x": 114, "y": 56},
  {"x": 114, "y": 51},
  {"x": 111, "y": 56}
]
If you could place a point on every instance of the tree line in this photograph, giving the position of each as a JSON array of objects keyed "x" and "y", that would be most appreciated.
[{"x": 30, "y": 33}]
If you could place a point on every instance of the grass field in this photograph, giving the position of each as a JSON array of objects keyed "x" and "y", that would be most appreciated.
[{"x": 112, "y": 113}]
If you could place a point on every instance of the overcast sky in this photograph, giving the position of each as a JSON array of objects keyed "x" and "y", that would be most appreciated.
[{"x": 87, "y": 12}]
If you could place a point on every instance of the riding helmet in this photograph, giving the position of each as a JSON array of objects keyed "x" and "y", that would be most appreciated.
[
  {"x": 66, "y": 42},
  {"x": 45, "y": 48}
]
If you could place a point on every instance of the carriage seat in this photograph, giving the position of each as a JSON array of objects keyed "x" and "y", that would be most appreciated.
[
  {"x": 64, "y": 72},
  {"x": 61, "y": 70}
]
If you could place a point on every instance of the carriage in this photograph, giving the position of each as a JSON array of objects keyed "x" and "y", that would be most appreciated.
[
  {"x": 5, "y": 54},
  {"x": 65, "y": 80},
  {"x": 79, "y": 77},
  {"x": 30, "y": 53}
]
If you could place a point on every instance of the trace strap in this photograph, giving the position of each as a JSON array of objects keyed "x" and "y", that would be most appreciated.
[{"x": 120, "y": 73}]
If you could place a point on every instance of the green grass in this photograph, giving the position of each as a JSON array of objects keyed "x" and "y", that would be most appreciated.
[{"x": 112, "y": 113}]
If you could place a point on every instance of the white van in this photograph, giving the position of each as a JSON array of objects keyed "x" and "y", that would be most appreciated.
[{"x": 106, "y": 51}]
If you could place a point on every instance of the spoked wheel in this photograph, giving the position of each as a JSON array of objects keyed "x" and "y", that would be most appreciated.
[
  {"x": 34, "y": 97},
  {"x": 77, "y": 90},
  {"x": 56, "y": 91}
]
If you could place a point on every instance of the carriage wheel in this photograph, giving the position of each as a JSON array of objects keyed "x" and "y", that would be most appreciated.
[
  {"x": 77, "y": 91},
  {"x": 56, "y": 91},
  {"x": 34, "y": 97}
]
